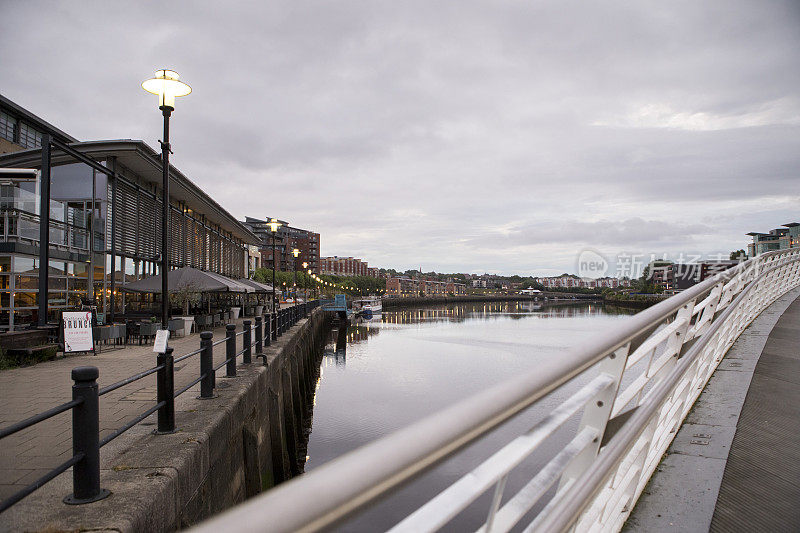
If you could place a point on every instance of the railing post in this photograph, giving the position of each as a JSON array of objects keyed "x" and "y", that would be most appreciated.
[
  {"x": 230, "y": 350},
  {"x": 86, "y": 438},
  {"x": 273, "y": 325},
  {"x": 267, "y": 329},
  {"x": 247, "y": 340},
  {"x": 207, "y": 365},
  {"x": 165, "y": 383},
  {"x": 259, "y": 337}
]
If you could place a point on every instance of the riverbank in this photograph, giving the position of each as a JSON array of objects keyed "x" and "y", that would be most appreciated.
[{"x": 633, "y": 302}]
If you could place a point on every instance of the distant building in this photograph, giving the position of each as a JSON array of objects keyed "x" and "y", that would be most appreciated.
[
  {"x": 286, "y": 239},
  {"x": 346, "y": 266},
  {"x": 405, "y": 287},
  {"x": 776, "y": 239}
]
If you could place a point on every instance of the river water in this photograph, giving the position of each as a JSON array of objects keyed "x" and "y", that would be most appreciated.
[{"x": 383, "y": 374}]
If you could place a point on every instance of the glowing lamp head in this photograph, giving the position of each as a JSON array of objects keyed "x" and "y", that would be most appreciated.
[
  {"x": 295, "y": 252},
  {"x": 305, "y": 265},
  {"x": 167, "y": 87},
  {"x": 274, "y": 225}
]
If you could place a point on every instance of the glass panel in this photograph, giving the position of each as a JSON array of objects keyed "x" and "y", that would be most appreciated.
[
  {"x": 7, "y": 123},
  {"x": 78, "y": 284},
  {"x": 5, "y": 299},
  {"x": 5, "y": 263},
  {"x": 24, "y": 317},
  {"x": 4, "y": 282},
  {"x": 24, "y": 264},
  {"x": 58, "y": 299},
  {"x": 26, "y": 299},
  {"x": 27, "y": 282}
]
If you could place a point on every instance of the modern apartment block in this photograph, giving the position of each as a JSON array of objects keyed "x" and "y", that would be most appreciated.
[
  {"x": 346, "y": 266},
  {"x": 286, "y": 239},
  {"x": 777, "y": 239}
]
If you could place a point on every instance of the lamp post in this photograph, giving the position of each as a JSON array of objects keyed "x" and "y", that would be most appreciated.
[
  {"x": 295, "y": 253},
  {"x": 273, "y": 226},
  {"x": 305, "y": 282},
  {"x": 167, "y": 87}
]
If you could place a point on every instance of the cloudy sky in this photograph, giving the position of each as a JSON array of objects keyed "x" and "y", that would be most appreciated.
[{"x": 453, "y": 136}]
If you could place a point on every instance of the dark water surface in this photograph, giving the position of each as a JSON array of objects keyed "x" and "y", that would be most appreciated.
[{"x": 383, "y": 374}]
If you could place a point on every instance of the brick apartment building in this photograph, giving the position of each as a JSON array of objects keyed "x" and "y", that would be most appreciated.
[
  {"x": 346, "y": 266},
  {"x": 286, "y": 239},
  {"x": 405, "y": 287}
]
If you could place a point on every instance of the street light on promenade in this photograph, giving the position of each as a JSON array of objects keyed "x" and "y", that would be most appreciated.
[
  {"x": 273, "y": 226},
  {"x": 167, "y": 87},
  {"x": 295, "y": 253},
  {"x": 305, "y": 282}
]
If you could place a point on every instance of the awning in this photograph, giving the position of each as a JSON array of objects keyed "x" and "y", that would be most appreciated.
[
  {"x": 259, "y": 287},
  {"x": 190, "y": 280}
]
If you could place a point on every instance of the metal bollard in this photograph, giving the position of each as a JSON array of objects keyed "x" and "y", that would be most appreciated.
[
  {"x": 165, "y": 383},
  {"x": 259, "y": 337},
  {"x": 247, "y": 341},
  {"x": 267, "y": 329},
  {"x": 86, "y": 438},
  {"x": 230, "y": 350},
  {"x": 273, "y": 324},
  {"x": 207, "y": 365}
]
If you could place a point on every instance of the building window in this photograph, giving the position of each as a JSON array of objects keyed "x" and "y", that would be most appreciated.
[
  {"x": 7, "y": 123},
  {"x": 29, "y": 137}
]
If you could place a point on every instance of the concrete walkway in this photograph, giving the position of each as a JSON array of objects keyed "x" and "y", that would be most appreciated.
[
  {"x": 735, "y": 462},
  {"x": 24, "y": 392}
]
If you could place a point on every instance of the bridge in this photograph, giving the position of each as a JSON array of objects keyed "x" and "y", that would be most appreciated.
[{"x": 637, "y": 385}]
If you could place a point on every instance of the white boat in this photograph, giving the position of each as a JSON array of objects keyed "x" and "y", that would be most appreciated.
[{"x": 367, "y": 307}]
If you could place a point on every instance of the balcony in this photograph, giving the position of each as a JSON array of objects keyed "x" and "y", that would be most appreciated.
[{"x": 22, "y": 226}]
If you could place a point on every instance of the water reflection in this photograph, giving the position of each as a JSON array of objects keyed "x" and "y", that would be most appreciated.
[
  {"x": 495, "y": 310},
  {"x": 382, "y": 374}
]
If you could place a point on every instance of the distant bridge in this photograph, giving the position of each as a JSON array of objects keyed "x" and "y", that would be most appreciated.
[{"x": 641, "y": 380}]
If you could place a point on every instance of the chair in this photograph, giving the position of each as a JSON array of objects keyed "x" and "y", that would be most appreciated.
[{"x": 177, "y": 327}]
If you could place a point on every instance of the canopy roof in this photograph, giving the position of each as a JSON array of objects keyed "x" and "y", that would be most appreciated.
[
  {"x": 191, "y": 280},
  {"x": 259, "y": 287}
]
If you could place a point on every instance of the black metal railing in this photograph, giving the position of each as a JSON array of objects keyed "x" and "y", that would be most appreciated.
[{"x": 85, "y": 403}]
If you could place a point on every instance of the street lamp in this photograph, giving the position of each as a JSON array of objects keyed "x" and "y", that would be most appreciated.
[
  {"x": 305, "y": 281},
  {"x": 167, "y": 87},
  {"x": 273, "y": 226},
  {"x": 295, "y": 253}
]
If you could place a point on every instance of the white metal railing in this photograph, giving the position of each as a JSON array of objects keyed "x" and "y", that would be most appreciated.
[{"x": 643, "y": 378}]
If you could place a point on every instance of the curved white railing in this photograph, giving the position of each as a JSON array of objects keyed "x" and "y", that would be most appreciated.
[{"x": 643, "y": 378}]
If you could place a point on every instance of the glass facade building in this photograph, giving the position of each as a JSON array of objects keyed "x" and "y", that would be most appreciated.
[{"x": 105, "y": 232}]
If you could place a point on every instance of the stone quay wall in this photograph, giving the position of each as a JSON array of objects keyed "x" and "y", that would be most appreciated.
[{"x": 226, "y": 449}]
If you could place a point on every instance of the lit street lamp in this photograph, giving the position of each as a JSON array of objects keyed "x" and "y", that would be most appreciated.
[
  {"x": 167, "y": 87},
  {"x": 295, "y": 253},
  {"x": 273, "y": 226},
  {"x": 305, "y": 282}
]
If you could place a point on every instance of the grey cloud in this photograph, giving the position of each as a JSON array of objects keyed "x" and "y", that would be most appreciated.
[{"x": 480, "y": 118}]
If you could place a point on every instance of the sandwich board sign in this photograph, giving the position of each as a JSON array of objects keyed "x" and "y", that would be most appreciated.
[
  {"x": 78, "y": 331},
  {"x": 160, "y": 344}
]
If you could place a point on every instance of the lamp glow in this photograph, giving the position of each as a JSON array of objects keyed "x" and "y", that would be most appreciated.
[
  {"x": 167, "y": 86},
  {"x": 274, "y": 225}
]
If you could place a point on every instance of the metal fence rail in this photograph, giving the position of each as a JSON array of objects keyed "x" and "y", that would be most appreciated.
[
  {"x": 643, "y": 378},
  {"x": 85, "y": 404}
]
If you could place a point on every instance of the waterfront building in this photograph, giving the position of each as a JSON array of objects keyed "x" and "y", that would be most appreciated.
[
  {"x": 405, "y": 287},
  {"x": 286, "y": 239},
  {"x": 104, "y": 231},
  {"x": 346, "y": 266},
  {"x": 776, "y": 239}
]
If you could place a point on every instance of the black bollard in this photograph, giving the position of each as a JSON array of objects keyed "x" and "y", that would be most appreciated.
[
  {"x": 165, "y": 384},
  {"x": 230, "y": 350},
  {"x": 207, "y": 365},
  {"x": 259, "y": 337},
  {"x": 247, "y": 341},
  {"x": 86, "y": 438}
]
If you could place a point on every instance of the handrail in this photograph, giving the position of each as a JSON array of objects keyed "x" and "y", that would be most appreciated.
[{"x": 352, "y": 481}]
